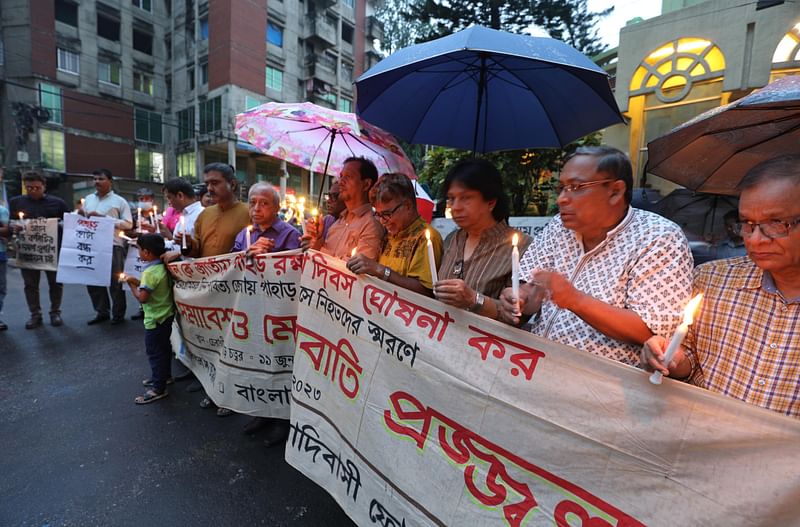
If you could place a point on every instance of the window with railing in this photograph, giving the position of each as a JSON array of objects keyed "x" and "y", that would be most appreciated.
[
  {"x": 109, "y": 72},
  {"x": 143, "y": 82},
  {"x": 50, "y": 98},
  {"x": 211, "y": 115},
  {"x": 68, "y": 61},
  {"x": 185, "y": 124},
  {"x": 149, "y": 166},
  {"x": 274, "y": 79}
]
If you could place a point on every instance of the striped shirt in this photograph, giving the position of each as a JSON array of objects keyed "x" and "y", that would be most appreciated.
[
  {"x": 488, "y": 270},
  {"x": 745, "y": 340}
]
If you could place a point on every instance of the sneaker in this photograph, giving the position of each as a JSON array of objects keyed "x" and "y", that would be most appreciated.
[{"x": 33, "y": 323}]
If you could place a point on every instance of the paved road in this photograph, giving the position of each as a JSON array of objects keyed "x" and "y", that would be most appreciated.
[{"x": 76, "y": 451}]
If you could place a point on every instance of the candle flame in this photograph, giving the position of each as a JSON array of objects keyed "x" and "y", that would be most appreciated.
[
  {"x": 515, "y": 239},
  {"x": 448, "y": 213},
  {"x": 21, "y": 215},
  {"x": 428, "y": 234},
  {"x": 249, "y": 228},
  {"x": 314, "y": 212},
  {"x": 353, "y": 252},
  {"x": 122, "y": 276},
  {"x": 691, "y": 309}
]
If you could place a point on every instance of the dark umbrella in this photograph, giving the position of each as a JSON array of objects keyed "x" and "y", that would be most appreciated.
[
  {"x": 488, "y": 90},
  {"x": 713, "y": 151}
]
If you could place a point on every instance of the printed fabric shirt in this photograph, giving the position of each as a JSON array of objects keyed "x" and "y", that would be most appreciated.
[
  {"x": 284, "y": 235},
  {"x": 406, "y": 253},
  {"x": 355, "y": 228},
  {"x": 644, "y": 264},
  {"x": 114, "y": 206},
  {"x": 156, "y": 281},
  {"x": 488, "y": 270},
  {"x": 215, "y": 230},
  {"x": 3, "y": 222},
  {"x": 745, "y": 340}
]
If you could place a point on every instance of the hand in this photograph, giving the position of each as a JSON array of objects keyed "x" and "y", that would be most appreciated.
[
  {"x": 164, "y": 231},
  {"x": 170, "y": 256},
  {"x": 309, "y": 242},
  {"x": 93, "y": 213},
  {"x": 360, "y": 264},
  {"x": 561, "y": 291},
  {"x": 132, "y": 281},
  {"x": 261, "y": 246},
  {"x": 16, "y": 227},
  {"x": 454, "y": 292},
  {"x": 651, "y": 356},
  {"x": 146, "y": 227},
  {"x": 178, "y": 239},
  {"x": 508, "y": 309}
]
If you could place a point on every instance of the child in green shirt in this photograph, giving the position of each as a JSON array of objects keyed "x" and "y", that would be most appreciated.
[{"x": 154, "y": 292}]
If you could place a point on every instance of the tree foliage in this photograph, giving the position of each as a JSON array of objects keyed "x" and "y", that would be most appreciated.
[
  {"x": 571, "y": 21},
  {"x": 398, "y": 30},
  {"x": 446, "y": 17}
]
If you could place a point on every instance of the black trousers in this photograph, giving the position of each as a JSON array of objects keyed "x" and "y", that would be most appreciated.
[{"x": 100, "y": 295}]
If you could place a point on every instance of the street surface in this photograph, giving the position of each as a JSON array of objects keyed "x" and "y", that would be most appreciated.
[{"x": 76, "y": 451}]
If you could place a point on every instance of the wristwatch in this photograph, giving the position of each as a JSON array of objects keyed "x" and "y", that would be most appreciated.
[
  {"x": 479, "y": 300},
  {"x": 386, "y": 272}
]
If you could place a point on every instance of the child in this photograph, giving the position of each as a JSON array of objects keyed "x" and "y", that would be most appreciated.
[{"x": 155, "y": 294}]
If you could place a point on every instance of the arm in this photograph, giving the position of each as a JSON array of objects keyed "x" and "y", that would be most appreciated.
[
  {"x": 360, "y": 264},
  {"x": 142, "y": 295},
  {"x": 125, "y": 220},
  {"x": 370, "y": 239}
]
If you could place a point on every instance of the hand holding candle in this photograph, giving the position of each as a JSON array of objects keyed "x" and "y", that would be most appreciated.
[
  {"x": 680, "y": 334},
  {"x": 431, "y": 257},
  {"x": 515, "y": 272},
  {"x": 183, "y": 231},
  {"x": 249, "y": 231},
  {"x": 122, "y": 278}
]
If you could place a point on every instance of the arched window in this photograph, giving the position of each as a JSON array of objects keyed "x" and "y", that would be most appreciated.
[{"x": 788, "y": 49}]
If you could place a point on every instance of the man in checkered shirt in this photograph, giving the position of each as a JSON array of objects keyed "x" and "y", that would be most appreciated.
[
  {"x": 745, "y": 340},
  {"x": 602, "y": 276}
]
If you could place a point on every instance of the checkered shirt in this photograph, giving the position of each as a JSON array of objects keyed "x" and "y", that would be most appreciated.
[
  {"x": 644, "y": 265},
  {"x": 745, "y": 341}
]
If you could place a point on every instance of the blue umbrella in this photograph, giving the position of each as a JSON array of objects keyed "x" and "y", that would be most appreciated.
[{"x": 488, "y": 90}]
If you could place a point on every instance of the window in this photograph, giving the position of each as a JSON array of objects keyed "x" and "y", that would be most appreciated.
[
  {"x": 68, "y": 61},
  {"x": 147, "y": 126},
  {"x": 350, "y": 3},
  {"x": 190, "y": 78},
  {"x": 204, "y": 73},
  {"x": 250, "y": 102},
  {"x": 347, "y": 73},
  {"x": 168, "y": 46},
  {"x": 186, "y": 165},
  {"x": 204, "y": 28},
  {"x": 211, "y": 115},
  {"x": 107, "y": 27},
  {"x": 274, "y": 79},
  {"x": 52, "y": 144},
  {"x": 50, "y": 98},
  {"x": 274, "y": 34},
  {"x": 143, "y": 41},
  {"x": 345, "y": 105},
  {"x": 144, "y": 5},
  {"x": 108, "y": 72},
  {"x": 185, "y": 124},
  {"x": 67, "y": 12},
  {"x": 143, "y": 83},
  {"x": 149, "y": 166},
  {"x": 347, "y": 33}
]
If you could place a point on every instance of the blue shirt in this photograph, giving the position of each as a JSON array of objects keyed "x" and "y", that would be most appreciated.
[
  {"x": 284, "y": 235},
  {"x": 3, "y": 222}
]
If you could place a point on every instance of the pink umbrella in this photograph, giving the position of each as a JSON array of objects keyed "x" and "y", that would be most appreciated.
[{"x": 319, "y": 139}]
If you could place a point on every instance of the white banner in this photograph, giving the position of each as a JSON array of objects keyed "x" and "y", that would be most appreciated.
[
  {"x": 411, "y": 412},
  {"x": 133, "y": 264},
  {"x": 530, "y": 225},
  {"x": 37, "y": 244},
  {"x": 86, "y": 250},
  {"x": 236, "y": 317}
]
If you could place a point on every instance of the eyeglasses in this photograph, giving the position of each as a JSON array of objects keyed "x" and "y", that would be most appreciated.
[
  {"x": 770, "y": 229},
  {"x": 569, "y": 189},
  {"x": 331, "y": 196},
  {"x": 387, "y": 214}
]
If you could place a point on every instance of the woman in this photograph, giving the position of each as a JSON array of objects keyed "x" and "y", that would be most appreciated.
[
  {"x": 403, "y": 261},
  {"x": 477, "y": 256}
]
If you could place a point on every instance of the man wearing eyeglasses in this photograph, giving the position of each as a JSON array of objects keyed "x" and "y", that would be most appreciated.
[
  {"x": 745, "y": 340},
  {"x": 602, "y": 276}
]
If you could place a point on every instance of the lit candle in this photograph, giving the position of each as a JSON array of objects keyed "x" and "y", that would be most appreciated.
[
  {"x": 155, "y": 213},
  {"x": 121, "y": 278},
  {"x": 138, "y": 219},
  {"x": 183, "y": 231},
  {"x": 431, "y": 258},
  {"x": 83, "y": 202},
  {"x": 122, "y": 235},
  {"x": 448, "y": 213},
  {"x": 249, "y": 230},
  {"x": 680, "y": 334},
  {"x": 515, "y": 270},
  {"x": 353, "y": 252},
  {"x": 152, "y": 219},
  {"x": 21, "y": 216},
  {"x": 22, "y": 220}
]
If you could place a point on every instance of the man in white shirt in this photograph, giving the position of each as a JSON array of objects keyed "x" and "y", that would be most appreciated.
[
  {"x": 181, "y": 197},
  {"x": 106, "y": 203}
]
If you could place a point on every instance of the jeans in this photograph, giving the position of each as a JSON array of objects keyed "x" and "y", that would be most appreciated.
[
  {"x": 2, "y": 283},
  {"x": 159, "y": 353},
  {"x": 31, "y": 279},
  {"x": 99, "y": 295}
]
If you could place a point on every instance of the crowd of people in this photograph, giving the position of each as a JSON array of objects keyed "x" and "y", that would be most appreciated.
[{"x": 602, "y": 276}]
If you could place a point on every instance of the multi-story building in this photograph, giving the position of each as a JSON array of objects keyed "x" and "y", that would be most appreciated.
[{"x": 150, "y": 88}]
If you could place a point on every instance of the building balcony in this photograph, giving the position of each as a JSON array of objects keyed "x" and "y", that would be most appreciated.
[
  {"x": 322, "y": 68},
  {"x": 374, "y": 28},
  {"x": 321, "y": 30}
]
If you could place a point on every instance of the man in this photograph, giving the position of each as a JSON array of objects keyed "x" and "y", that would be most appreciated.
[
  {"x": 356, "y": 227},
  {"x": 181, "y": 197},
  {"x": 745, "y": 340},
  {"x": 269, "y": 233},
  {"x": 106, "y": 203},
  {"x": 334, "y": 206},
  {"x": 604, "y": 277},
  {"x": 215, "y": 231},
  {"x": 36, "y": 204}
]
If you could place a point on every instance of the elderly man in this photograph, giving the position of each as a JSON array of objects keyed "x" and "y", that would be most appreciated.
[
  {"x": 37, "y": 204},
  {"x": 105, "y": 202},
  {"x": 604, "y": 277},
  {"x": 745, "y": 340},
  {"x": 356, "y": 227},
  {"x": 269, "y": 233}
]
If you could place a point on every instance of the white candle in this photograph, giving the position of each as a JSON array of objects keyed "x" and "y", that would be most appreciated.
[
  {"x": 155, "y": 214},
  {"x": 515, "y": 270},
  {"x": 23, "y": 221},
  {"x": 249, "y": 230},
  {"x": 431, "y": 257},
  {"x": 353, "y": 252},
  {"x": 152, "y": 220},
  {"x": 183, "y": 231},
  {"x": 138, "y": 219},
  {"x": 122, "y": 235},
  {"x": 83, "y": 202},
  {"x": 680, "y": 334}
]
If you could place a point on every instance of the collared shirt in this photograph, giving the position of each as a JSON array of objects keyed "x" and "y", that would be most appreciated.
[
  {"x": 488, "y": 270},
  {"x": 190, "y": 212},
  {"x": 355, "y": 228},
  {"x": 159, "y": 306},
  {"x": 114, "y": 206},
  {"x": 284, "y": 235},
  {"x": 215, "y": 230},
  {"x": 3, "y": 222},
  {"x": 745, "y": 340},
  {"x": 644, "y": 264},
  {"x": 47, "y": 207},
  {"x": 406, "y": 252}
]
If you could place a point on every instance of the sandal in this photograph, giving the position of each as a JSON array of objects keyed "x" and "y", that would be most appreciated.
[
  {"x": 224, "y": 412},
  {"x": 207, "y": 403},
  {"x": 150, "y": 396},
  {"x": 148, "y": 383}
]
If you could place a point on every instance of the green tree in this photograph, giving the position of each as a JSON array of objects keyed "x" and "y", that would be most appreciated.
[
  {"x": 398, "y": 30},
  {"x": 446, "y": 17},
  {"x": 571, "y": 21}
]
